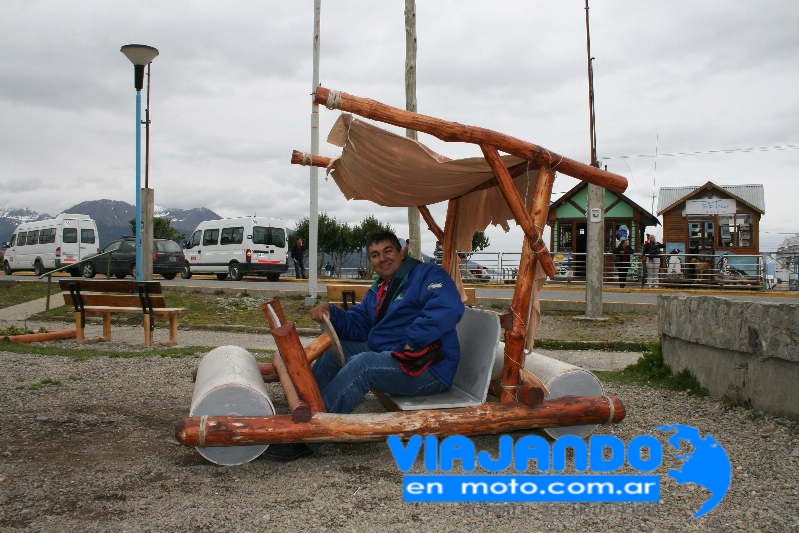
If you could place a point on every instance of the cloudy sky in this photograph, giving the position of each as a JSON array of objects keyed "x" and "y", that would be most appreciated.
[{"x": 230, "y": 95}]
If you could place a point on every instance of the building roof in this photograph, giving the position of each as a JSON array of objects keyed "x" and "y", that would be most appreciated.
[
  {"x": 751, "y": 194},
  {"x": 648, "y": 217}
]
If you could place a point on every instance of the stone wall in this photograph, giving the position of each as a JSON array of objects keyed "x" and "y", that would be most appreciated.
[{"x": 745, "y": 351}]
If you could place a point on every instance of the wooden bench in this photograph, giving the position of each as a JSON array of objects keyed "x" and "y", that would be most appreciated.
[
  {"x": 106, "y": 297},
  {"x": 345, "y": 295}
]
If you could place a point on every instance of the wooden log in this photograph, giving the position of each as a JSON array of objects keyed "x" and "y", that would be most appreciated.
[
  {"x": 309, "y": 160},
  {"x": 431, "y": 223},
  {"x": 300, "y": 411},
  {"x": 312, "y": 352},
  {"x": 455, "y": 132},
  {"x": 516, "y": 204},
  {"x": 293, "y": 355},
  {"x": 531, "y": 390},
  {"x": 274, "y": 310},
  {"x": 484, "y": 419},
  {"x": 45, "y": 336},
  {"x": 449, "y": 261},
  {"x": 522, "y": 295}
]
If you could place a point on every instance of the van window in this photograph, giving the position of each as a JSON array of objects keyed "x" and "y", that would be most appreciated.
[
  {"x": 195, "y": 238},
  {"x": 210, "y": 236},
  {"x": 232, "y": 235},
  {"x": 13, "y": 240},
  {"x": 87, "y": 236},
  {"x": 269, "y": 236},
  {"x": 47, "y": 236},
  {"x": 33, "y": 237},
  {"x": 69, "y": 235},
  {"x": 23, "y": 238}
]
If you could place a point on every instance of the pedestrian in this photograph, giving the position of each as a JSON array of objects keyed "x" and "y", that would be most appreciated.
[
  {"x": 623, "y": 253},
  {"x": 651, "y": 253},
  {"x": 399, "y": 339},
  {"x": 298, "y": 256}
]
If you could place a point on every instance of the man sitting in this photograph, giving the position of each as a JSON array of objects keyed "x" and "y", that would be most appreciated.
[{"x": 399, "y": 339}]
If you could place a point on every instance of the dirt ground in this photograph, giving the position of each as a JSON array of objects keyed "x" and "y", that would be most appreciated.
[{"x": 88, "y": 446}]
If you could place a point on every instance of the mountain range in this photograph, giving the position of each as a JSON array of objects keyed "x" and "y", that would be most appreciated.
[{"x": 112, "y": 218}]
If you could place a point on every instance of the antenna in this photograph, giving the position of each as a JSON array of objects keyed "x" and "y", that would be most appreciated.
[{"x": 654, "y": 172}]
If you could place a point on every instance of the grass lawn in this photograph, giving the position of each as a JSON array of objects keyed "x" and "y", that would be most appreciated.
[
  {"x": 210, "y": 310},
  {"x": 16, "y": 292}
]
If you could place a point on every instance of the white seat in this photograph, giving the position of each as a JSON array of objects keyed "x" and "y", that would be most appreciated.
[{"x": 479, "y": 336}]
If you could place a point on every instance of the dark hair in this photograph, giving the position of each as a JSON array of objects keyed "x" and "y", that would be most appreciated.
[{"x": 381, "y": 236}]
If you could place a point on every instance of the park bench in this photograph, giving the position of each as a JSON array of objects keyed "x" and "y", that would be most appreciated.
[
  {"x": 345, "y": 295},
  {"x": 106, "y": 297}
]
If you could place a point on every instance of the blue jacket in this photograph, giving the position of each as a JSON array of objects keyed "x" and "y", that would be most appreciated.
[{"x": 426, "y": 308}]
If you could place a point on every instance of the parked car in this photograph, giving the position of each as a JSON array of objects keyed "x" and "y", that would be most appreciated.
[{"x": 167, "y": 259}]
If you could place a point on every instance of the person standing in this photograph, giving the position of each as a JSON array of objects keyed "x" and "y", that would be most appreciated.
[
  {"x": 623, "y": 252},
  {"x": 298, "y": 256},
  {"x": 399, "y": 339},
  {"x": 651, "y": 254}
]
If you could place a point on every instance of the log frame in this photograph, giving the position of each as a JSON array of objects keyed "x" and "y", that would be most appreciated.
[
  {"x": 487, "y": 418},
  {"x": 455, "y": 132}
]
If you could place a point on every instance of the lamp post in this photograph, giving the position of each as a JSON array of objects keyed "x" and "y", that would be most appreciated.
[{"x": 140, "y": 55}]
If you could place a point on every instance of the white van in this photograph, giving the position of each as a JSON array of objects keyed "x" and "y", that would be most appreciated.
[
  {"x": 47, "y": 244},
  {"x": 236, "y": 247}
]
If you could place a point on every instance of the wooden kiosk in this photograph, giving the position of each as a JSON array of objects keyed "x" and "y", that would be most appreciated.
[{"x": 479, "y": 191}]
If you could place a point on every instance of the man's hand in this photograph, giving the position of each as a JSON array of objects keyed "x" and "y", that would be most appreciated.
[{"x": 319, "y": 312}]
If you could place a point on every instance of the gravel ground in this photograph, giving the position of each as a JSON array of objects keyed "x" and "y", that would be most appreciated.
[{"x": 88, "y": 446}]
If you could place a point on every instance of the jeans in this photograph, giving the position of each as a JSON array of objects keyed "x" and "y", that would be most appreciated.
[
  {"x": 343, "y": 387},
  {"x": 299, "y": 269}
]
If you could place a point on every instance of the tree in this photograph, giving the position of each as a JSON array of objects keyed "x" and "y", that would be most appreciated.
[
  {"x": 368, "y": 227},
  {"x": 480, "y": 241},
  {"x": 339, "y": 240},
  {"x": 162, "y": 229}
]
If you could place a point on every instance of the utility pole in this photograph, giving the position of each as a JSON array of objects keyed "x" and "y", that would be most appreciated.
[
  {"x": 313, "y": 221},
  {"x": 414, "y": 231},
  {"x": 595, "y": 216}
]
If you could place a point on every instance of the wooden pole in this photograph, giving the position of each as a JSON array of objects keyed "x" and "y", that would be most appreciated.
[
  {"x": 484, "y": 419},
  {"x": 312, "y": 352},
  {"x": 516, "y": 204},
  {"x": 309, "y": 160},
  {"x": 431, "y": 223},
  {"x": 299, "y": 370},
  {"x": 450, "y": 259},
  {"x": 455, "y": 132},
  {"x": 522, "y": 293},
  {"x": 300, "y": 411},
  {"x": 414, "y": 231},
  {"x": 313, "y": 218}
]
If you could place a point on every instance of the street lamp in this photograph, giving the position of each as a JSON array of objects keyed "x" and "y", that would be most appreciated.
[{"x": 140, "y": 55}]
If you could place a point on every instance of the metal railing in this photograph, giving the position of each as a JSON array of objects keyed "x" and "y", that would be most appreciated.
[{"x": 679, "y": 271}]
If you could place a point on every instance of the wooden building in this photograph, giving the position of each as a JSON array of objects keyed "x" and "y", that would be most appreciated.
[
  {"x": 712, "y": 219},
  {"x": 624, "y": 219},
  {"x": 568, "y": 226}
]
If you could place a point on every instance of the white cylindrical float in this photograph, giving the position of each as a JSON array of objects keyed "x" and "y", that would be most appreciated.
[
  {"x": 560, "y": 379},
  {"x": 229, "y": 383}
]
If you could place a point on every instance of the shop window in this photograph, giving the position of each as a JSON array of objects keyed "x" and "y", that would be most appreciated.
[
  {"x": 701, "y": 233},
  {"x": 735, "y": 231}
]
